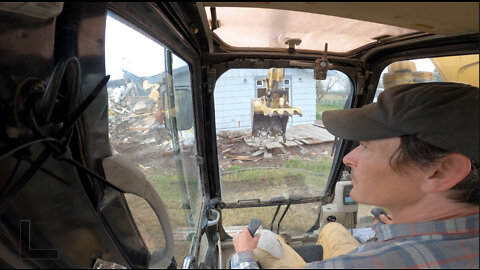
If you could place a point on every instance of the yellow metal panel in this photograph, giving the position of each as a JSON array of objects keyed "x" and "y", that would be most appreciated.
[{"x": 464, "y": 69}]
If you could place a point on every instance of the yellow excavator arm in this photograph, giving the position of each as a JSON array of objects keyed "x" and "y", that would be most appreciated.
[{"x": 271, "y": 111}]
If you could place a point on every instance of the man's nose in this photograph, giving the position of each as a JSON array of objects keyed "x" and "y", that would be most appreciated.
[{"x": 349, "y": 159}]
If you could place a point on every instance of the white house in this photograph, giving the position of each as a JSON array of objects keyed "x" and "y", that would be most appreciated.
[{"x": 236, "y": 88}]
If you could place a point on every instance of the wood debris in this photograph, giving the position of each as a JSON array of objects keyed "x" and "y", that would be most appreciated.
[
  {"x": 257, "y": 153},
  {"x": 244, "y": 158}
]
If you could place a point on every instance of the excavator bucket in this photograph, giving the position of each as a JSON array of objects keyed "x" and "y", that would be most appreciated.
[
  {"x": 271, "y": 111},
  {"x": 269, "y": 125}
]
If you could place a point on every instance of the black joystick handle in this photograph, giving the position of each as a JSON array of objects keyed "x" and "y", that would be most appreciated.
[
  {"x": 377, "y": 211},
  {"x": 253, "y": 226}
]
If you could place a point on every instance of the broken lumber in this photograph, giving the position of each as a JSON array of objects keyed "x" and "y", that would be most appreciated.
[{"x": 241, "y": 157}]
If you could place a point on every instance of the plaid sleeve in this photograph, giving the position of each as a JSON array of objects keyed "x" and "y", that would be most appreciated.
[{"x": 243, "y": 260}]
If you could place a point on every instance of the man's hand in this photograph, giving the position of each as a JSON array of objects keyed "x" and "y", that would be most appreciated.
[
  {"x": 384, "y": 219},
  {"x": 244, "y": 241}
]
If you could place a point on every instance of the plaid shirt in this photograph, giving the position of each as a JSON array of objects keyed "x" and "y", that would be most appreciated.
[{"x": 451, "y": 243}]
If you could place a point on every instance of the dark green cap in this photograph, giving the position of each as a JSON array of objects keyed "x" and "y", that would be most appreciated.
[{"x": 443, "y": 114}]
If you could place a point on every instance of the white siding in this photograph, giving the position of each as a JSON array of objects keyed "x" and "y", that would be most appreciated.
[{"x": 303, "y": 96}]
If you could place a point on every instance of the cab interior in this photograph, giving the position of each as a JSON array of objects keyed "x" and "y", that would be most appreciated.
[{"x": 148, "y": 134}]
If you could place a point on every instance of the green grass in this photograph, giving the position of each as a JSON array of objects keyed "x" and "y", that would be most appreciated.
[
  {"x": 298, "y": 219},
  {"x": 234, "y": 167},
  {"x": 252, "y": 183},
  {"x": 167, "y": 187},
  {"x": 295, "y": 176},
  {"x": 269, "y": 175},
  {"x": 321, "y": 107},
  {"x": 265, "y": 184},
  {"x": 322, "y": 167},
  {"x": 252, "y": 175}
]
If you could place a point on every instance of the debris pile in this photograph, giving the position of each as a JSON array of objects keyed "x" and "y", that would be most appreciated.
[
  {"x": 235, "y": 147},
  {"x": 135, "y": 131}
]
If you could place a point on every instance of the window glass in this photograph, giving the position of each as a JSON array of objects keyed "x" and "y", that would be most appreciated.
[
  {"x": 257, "y": 160},
  {"x": 151, "y": 125},
  {"x": 461, "y": 68}
]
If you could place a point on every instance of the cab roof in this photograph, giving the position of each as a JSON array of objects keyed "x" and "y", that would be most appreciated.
[{"x": 345, "y": 26}]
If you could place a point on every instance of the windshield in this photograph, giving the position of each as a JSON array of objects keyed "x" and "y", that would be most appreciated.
[{"x": 271, "y": 141}]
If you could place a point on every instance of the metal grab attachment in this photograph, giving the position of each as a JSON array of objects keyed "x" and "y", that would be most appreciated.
[{"x": 214, "y": 221}]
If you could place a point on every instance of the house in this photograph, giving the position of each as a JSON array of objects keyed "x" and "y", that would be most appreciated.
[{"x": 236, "y": 88}]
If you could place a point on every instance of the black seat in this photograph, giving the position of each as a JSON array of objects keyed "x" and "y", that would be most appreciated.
[{"x": 310, "y": 253}]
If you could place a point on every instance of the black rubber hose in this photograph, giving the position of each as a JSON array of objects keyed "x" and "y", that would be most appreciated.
[{"x": 69, "y": 67}]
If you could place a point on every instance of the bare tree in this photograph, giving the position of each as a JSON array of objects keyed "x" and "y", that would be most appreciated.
[{"x": 321, "y": 91}]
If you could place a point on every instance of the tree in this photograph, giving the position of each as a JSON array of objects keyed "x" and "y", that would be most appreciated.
[{"x": 320, "y": 91}]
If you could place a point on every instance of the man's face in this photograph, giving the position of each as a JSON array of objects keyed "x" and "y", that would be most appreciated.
[{"x": 375, "y": 182}]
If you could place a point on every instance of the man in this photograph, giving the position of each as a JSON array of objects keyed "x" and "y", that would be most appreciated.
[{"x": 418, "y": 157}]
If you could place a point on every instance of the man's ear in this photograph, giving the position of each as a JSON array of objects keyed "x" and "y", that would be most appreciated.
[{"x": 447, "y": 172}]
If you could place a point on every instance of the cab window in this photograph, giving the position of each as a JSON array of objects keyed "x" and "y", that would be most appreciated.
[
  {"x": 271, "y": 143},
  {"x": 151, "y": 125},
  {"x": 461, "y": 68}
]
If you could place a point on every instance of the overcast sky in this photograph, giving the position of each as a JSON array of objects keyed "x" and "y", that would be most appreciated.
[{"x": 128, "y": 49}]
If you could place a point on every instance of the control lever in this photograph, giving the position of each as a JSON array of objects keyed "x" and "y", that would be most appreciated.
[
  {"x": 278, "y": 200},
  {"x": 293, "y": 197},
  {"x": 377, "y": 211},
  {"x": 252, "y": 229},
  {"x": 253, "y": 226}
]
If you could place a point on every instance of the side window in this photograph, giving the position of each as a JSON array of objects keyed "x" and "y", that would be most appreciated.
[
  {"x": 461, "y": 68},
  {"x": 271, "y": 142},
  {"x": 151, "y": 125}
]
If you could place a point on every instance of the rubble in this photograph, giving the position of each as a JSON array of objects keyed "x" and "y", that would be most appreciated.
[
  {"x": 257, "y": 153},
  {"x": 267, "y": 155},
  {"x": 238, "y": 147},
  {"x": 303, "y": 151}
]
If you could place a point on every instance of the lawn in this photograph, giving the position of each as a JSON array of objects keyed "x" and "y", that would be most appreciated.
[
  {"x": 321, "y": 107},
  {"x": 296, "y": 176}
]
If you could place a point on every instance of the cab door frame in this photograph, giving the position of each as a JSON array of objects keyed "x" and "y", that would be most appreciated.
[{"x": 167, "y": 23}]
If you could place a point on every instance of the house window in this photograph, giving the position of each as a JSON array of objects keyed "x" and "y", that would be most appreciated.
[{"x": 260, "y": 83}]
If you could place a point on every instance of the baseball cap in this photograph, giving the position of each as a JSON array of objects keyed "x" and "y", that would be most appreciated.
[{"x": 443, "y": 114}]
